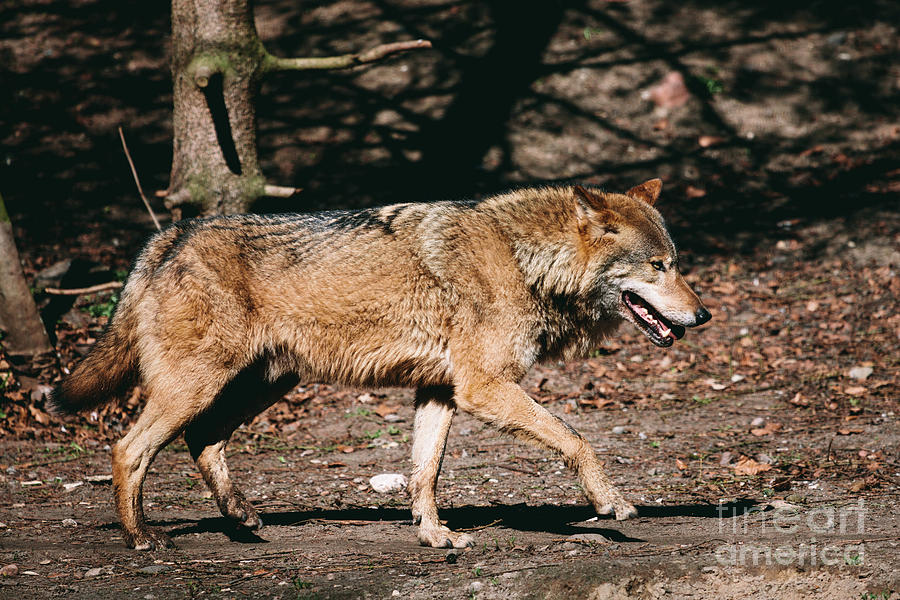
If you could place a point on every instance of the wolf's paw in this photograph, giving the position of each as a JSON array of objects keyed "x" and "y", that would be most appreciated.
[
  {"x": 622, "y": 508},
  {"x": 242, "y": 512},
  {"x": 442, "y": 537},
  {"x": 148, "y": 539}
]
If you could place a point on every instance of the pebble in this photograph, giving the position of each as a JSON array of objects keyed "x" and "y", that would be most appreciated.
[
  {"x": 10, "y": 570},
  {"x": 757, "y": 422},
  {"x": 387, "y": 483},
  {"x": 619, "y": 429},
  {"x": 71, "y": 486},
  {"x": 395, "y": 594},
  {"x": 726, "y": 458},
  {"x": 69, "y": 523},
  {"x": 154, "y": 569},
  {"x": 475, "y": 586},
  {"x": 764, "y": 458},
  {"x": 93, "y": 572},
  {"x": 860, "y": 373}
]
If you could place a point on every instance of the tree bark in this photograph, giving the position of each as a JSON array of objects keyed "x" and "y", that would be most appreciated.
[
  {"x": 215, "y": 68},
  {"x": 24, "y": 331},
  {"x": 217, "y": 62}
]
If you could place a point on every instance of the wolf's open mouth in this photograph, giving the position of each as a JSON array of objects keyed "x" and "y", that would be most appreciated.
[{"x": 661, "y": 331}]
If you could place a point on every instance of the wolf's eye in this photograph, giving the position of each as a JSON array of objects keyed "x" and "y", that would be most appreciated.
[{"x": 657, "y": 264}]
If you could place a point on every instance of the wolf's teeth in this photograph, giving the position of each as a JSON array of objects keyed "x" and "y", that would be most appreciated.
[{"x": 665, "y": 331}]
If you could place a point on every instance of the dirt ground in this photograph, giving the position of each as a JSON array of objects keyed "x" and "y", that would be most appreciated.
[{"x": 761, "y": 450}]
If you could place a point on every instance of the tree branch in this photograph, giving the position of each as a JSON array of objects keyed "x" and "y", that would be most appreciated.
[
  {"x": 100, "y": 287},
  {"x": 137, "y": 181},
  {"x": 343, "y": 61},
  {"x": 280, "y": 191}
]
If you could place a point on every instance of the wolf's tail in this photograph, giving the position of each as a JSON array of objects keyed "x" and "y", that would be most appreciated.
[{"x": 107, "y": 372}]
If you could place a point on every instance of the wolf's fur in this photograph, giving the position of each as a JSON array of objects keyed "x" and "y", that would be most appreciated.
[{"x": 222, "y": 316}]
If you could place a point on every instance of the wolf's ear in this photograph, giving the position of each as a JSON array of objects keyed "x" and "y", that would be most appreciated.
[
  {"x": 647, "y": 191},
  {"x": 592, "y": 211}
]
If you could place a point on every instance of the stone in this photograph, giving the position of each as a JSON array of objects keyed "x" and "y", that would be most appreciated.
[{"x": 388, "y": 483}]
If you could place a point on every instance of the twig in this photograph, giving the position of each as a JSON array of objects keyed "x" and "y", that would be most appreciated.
[
  {"x": 343, "y": 61},
  {"x": 280, "y": 191},
  {"x": 480, "y": 527},
  {"x": 138, "y": 181},
  {"x": 100, "y": 287}
]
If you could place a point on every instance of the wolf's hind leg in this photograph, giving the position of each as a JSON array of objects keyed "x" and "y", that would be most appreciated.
[
  {"x": 507, "y": 406},
  {"x": 165, "y": 416},
  {"x": 434, "y": 412},
  {"x": 244, "y": 398}
]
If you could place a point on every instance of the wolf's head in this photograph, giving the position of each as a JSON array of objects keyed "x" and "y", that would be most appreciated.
[{"x": 631, "y": 263}]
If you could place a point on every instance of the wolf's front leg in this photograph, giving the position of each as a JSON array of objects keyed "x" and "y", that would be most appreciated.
[
  {"x": 434, "y": 412},
  {"x": 507, "y": 406}
]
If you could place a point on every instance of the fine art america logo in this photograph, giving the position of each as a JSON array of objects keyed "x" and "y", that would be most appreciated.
[{"x": 801, "y": 546}]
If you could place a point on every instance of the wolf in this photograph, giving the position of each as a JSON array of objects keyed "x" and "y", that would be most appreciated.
[{"x": 220, "y": 317}]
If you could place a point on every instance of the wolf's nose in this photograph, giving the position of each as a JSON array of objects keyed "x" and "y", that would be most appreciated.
[{"x": 702, "y": 315}]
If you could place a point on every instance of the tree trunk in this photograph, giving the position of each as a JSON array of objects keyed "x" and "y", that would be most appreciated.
[
  {"x": 217, "y": 62},
  {"x": 24, "y": 332},
  {"x": 217, "y": 55}
]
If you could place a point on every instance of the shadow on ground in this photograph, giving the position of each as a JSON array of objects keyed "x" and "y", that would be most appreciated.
[{"x": 561, "y": 520}]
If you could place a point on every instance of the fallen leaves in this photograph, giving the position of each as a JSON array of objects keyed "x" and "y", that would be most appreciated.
[
  {"x": 747, "y": 466},
  {"x": 671, "y": 92},
  {"x": 767, "y": 429}
]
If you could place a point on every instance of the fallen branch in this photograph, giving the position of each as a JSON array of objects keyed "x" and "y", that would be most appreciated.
[
  {"x": 138, "y": 181},
  {"x": 280, "y": 191},
  {"x": 100, "y": 287},
  {"x": 343, "y": 61}
]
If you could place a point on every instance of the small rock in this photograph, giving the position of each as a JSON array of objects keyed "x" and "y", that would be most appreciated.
[
  {"x": 32, "y": 483},
  {"x": 860, "y": 373},
  {"x": 93, "y": 572},
  {"x": 588, "y": 538},
  {"x": 392, "y": 418},
  {"x": 735, "y": 378},
  {"x": 757, "y": 422},
  {"x": 71, "y": 486},
  {"x": 452, "y": 557},
  {"x": 619, "y": 429},
  {"x": 10, "y": 570},
  {"x": 69, "y": 523},
  {"x": 395, "y": 594},
  {"x": 726, "y": 459},
  {"x": 475, "y": 586},
  {"x": 764, "y": 458},
  {"x": 623, "y": 460},
  {"x": 154, "y": 569},
  {"x": 388, "y": 483}
]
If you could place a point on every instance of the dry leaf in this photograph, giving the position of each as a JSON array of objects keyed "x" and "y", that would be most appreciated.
[
  {"x": 680, "y": 464},
  {"x": 855, "y": 390},
  {"x": 769, "y": 427},
  {"x": 346, "y": 449},
  {"x": 858, "y": 485},
  {"x": 849, "y": 431},
  {"x": 384, "y": 410},
  {"x": 706, "y": 141},
  {"x": 748, "y": 466},
  {"x": 799, "y": 400},
  {"x": 694, "y": 192},
  {"x": 670, "y": 92}
]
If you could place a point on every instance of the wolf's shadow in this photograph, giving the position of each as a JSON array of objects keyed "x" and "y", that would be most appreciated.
[{"x": 548, "y": 518}]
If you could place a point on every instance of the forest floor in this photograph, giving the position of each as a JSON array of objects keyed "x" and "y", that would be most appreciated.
[{"x": 762, "y": 450}]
